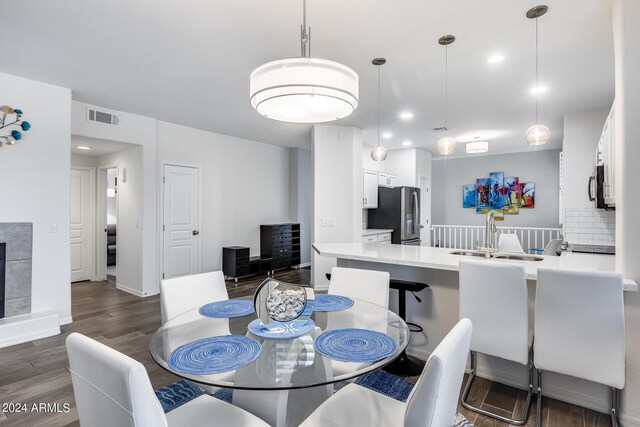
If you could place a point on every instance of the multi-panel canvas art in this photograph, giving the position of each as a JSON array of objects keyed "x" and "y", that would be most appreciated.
[
  {"x": 504, "y": 196},
  {"x": 469, "y": 196}
]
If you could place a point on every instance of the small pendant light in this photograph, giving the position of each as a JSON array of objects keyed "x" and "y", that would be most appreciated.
[
  {"x": 538, "y": 134},
  {"x": 446, "y": 145},
  {"x": 379, "y": 153}
]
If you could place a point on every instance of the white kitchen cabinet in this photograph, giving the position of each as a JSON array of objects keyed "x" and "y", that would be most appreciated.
[
  {"x": 369, "y": 189},
  {"x": 370, "y": 239},
  {"x": 609, "y": 142},
  {"x": 386, "y": 180},
  {"x": 384, "y": 238}
]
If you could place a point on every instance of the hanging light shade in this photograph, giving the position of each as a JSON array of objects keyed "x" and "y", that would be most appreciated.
[
  {"x": 446, "y": 145},
  {"x": 537, "y": 134},
  {"x": 477, "y": 146},
  {"x": 379, "y": 153},
  {"x": 304, "y": 89}
]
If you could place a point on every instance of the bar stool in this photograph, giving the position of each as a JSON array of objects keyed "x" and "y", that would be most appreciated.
[
  {"x": 405, "y": 364},
  {"x": 493, "y": 295},
  {"x": 580, "y": 329}
]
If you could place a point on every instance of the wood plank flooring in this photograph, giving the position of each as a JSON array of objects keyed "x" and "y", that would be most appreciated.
[{"x": 37, "y": 371}]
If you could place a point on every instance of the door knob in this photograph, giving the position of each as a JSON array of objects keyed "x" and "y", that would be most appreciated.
[{"x": 195, "y": 232}]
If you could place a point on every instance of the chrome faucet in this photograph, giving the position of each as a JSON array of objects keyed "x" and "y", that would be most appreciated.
[{"x": 490, "y": 231}]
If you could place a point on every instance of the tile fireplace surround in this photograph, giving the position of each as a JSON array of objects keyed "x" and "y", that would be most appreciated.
[{"x": 18, "y": 237}]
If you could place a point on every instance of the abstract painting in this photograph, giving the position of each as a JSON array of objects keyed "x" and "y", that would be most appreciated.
[
  {"x": 496, "y": 190},
  {"x": 469, "y": 196},
  {"x": 511, "y": 196},
  {"x": 482, "y": 190},
  {"x": 527, "y": 195}
]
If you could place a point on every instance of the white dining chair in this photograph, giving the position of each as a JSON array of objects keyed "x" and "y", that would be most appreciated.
[
  {"x": 366, "y": 285},
  {"x": 432, "y": 402},
  {"x": 509, "y": 243},
  {"x": 580, "y": 329},
  {"x": 493, "y": 295},
  {"x": 185, "y": 293},
  {"x": 112, "y": 389}
]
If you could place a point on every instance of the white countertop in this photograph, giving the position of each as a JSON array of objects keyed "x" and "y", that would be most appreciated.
[
  {"x": 372, "y": 231},
  {"x": 441, "y": 259}
]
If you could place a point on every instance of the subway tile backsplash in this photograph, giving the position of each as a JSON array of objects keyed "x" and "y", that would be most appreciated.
[{"x": 590, "y": 226}]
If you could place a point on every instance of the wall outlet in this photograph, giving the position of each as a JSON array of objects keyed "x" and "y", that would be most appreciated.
[
  {"x": 53, "y": 227},
  {"x": 328, "y": 222}
]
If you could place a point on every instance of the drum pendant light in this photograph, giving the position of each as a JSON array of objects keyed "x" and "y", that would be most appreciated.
[
  {"x": 446, "y": 145},
  {"x": 304, "y": 89},
  {"x": 538, "y": 134},
  {"x": 379, "y": 153}
]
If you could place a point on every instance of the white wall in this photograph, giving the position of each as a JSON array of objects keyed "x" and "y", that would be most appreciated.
[
  {"x": 301, "y": 197},
  {"x": 137, "y": 130},
  {"x": 80, "y": 160},
  {"x": 337, "y": 191},
  {"x": 35, "y": 186},
  {"x": 582, "y": 132},
  {"x": 540, "y": 167},
  {"x": 627, "y": 123},
  {"x": 402, "y": 163},
  {"x": 130, "y": 212},
  {"x": 245, "y": 184}
]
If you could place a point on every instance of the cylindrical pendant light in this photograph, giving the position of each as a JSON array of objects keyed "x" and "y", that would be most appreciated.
[
  {"x": 477, "y": 146},
  {"x": 538, "y": 134},
  {"x": 379, "y": 153},
  {"x": 446, "y": 145},
  {"x": 305, "y": 89}
]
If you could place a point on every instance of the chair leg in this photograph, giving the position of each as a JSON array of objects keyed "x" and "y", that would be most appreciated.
[
  {"x": 539, "y": 401},
  {"x": 614, "y": 407},
  {"x": 467, "y": 389}
]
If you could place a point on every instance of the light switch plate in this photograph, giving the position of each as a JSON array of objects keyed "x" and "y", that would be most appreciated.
[
  {"x": 53, "y": 227},
  {"x": 328, "y": 222}
]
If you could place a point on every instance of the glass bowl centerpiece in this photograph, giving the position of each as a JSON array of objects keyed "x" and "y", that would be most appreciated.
[{"x": 282, "y": 302}]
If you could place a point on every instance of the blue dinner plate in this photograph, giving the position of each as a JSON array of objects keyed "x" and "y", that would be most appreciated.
[{"x": 281, "y": 330}]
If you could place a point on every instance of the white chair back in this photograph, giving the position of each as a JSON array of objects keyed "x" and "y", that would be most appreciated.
[
  {"x": 434, "y": 399},
  {"x": 509, "y": 243},
  {"x": 552, "y": 247},
  {"x": 579, "y": 325},
  {"x": 366, "y": 285},
  {"x": 491, "y": 292},
  {"x": 188, "y": 292},
  {"x": 111, "y": 389}
]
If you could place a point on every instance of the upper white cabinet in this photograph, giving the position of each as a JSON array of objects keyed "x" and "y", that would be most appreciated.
[
  {"x": 369, "y": 189},
  {"x": 608, "y": 142},
  {"x": 387, "y": 180}
]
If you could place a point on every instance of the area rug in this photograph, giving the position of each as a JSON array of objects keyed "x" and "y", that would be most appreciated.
[{"x": 177, "y": 394}]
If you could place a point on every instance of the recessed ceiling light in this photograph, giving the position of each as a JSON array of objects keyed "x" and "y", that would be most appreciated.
[
  {"x": 406, "y": 115},
  {"x": 406, "y": 143},
  {"x": 495, "y": 58},
  {"x": 83, "y": 147},
  {"x": 538, "y": 89},
  {"x": 387, "y": 135}
]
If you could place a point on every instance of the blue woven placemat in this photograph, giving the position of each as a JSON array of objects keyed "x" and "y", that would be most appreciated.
[
  {"x": 325, "y": 302},
  {"x": 214, "y": 355},
  {"x": 227, "y": 308},
  {"x": 355, "y": 345},
  {"x": 281, "y": 330}
]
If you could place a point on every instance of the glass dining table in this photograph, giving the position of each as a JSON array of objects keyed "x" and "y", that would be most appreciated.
[{"x": 289, "y": 378}]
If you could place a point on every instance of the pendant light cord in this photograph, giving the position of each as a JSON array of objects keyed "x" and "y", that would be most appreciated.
[
  {"x": 379, "y": 105},
  {"x": 537, "y": 86},
  {"x": 305, "y": 37},
  {"x": 446, "y": 90}
]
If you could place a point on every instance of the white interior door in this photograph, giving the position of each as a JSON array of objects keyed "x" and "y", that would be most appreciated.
[
  {"x": 181, "y": 199},
  {"x": 425, "y": 212},
  {"x": 81, "y": 228}
]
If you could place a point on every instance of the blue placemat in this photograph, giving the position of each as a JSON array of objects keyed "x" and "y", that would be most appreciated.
[
  {"x": 227, "y": 308},
  {"x": 325, "y": 302},
  {"x": 281, "y": 330},
  {"x": 214, "y": 355},
  {"x": 355, "y": 345}
]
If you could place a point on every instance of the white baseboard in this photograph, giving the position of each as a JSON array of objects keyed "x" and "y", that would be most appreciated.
[
  {"x": 130, "y": 290},
  {"x": 306, "y": 264},
  {"x": 66, "y": 320},
  {"x": 563, "y": 394},
  {"x": 28, "y": 327}
]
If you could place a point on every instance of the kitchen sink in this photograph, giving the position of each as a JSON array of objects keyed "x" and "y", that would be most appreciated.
[
  {"x": 518, "y": 257},
  {"x": 468, "y": 253}
]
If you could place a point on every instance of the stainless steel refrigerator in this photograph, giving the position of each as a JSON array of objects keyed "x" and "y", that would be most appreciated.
[{"x": 399, "y": 210}]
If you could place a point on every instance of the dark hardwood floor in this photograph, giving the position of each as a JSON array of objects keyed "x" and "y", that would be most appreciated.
[{"x": 36, "y": 372}]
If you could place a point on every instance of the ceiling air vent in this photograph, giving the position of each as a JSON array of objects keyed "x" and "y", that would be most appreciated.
[
  {"x": 102, "y": 117},
  {"x": 440, "y": 129}
]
